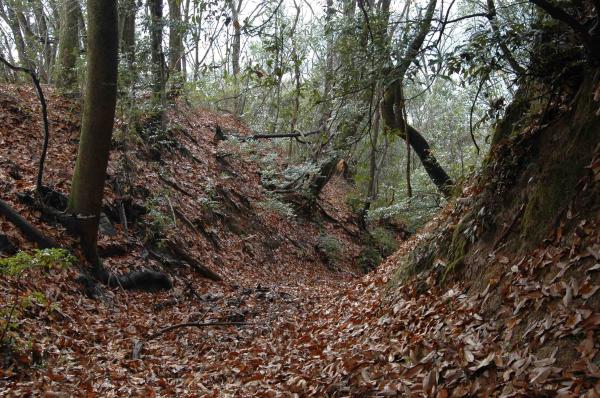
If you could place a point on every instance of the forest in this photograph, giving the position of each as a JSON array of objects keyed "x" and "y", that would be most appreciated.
[{"x": 300, "y": 198}]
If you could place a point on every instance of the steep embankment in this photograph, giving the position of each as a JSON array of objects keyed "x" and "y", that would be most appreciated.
[
  {"x": 497, "y": 296},
  {"x": 183, "y": 187}
]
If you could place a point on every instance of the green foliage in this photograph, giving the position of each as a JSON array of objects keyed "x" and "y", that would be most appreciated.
[
  {"x": 330, "y": 247},
  {"x": 355, "y": 202},
  {"x": 384, "y": 241},
  {"x": 210, "y": 202},
  {"x": 274, "y": 204},
  {"x": 379, "y": 243},
  {"x": 158, "y": 221},
  {"x": 44, "y": 259},
  {"x": 369, "y": 258}
]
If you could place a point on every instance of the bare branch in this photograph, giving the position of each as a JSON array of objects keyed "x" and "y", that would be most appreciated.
[{"x": 40, "y": 94}]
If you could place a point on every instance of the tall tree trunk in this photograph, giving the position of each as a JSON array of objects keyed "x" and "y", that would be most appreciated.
[
  {"x": 66, "y": 78},
  {"x": 87, "y": 188},
  {"x": 326, "y": 105},
  {"x": 82, "y": 28},
  {"x": 44, "y": 35},
  {"x": 175, "y": 46},
  {"x": 54, "y": 27},
  {"x": 236, "y": 45},
  {"x": 10, "y": 17},
  {"x": 127, "y": 13},
  {"x": 158, "y": 60},
  {"x": 236, "y": 49},
  {"x": 372, "y": 187}
]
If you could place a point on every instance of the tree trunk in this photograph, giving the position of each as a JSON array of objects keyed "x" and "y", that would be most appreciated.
[
  {"x": 44, "y": 35},
  {"x": 158, "y": 61},
  {"x": 10, "y": 17},
  {"x": 391, "y": 110},
  {"x": 127, "y": 31},
  {"x": 66, "y": 78},
  {"x": 175, "y": 46},
  {"x": 371, "y": 189},
  {"x": 235, "y": 50},
  {"x": 82, "y": 28},
  {"x": 87, "y": 188}
]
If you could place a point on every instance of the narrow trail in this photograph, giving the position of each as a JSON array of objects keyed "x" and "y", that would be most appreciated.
[{"x": 311, "y": 329}]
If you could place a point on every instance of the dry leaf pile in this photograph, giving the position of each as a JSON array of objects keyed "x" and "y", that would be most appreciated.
[{"x": 310, "y": 331}]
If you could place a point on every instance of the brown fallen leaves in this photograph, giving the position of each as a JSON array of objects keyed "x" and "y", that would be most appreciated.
[{"x": 532, "y": 332}]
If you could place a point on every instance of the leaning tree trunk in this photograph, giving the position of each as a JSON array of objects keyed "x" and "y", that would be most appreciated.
[
  {"x": 66, "y": 78},
  {"x": 394, "y": 120},
  {"x": 87, "y": 188}
]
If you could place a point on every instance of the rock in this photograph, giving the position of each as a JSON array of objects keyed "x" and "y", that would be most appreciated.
[{"x": 105, "y": 227}]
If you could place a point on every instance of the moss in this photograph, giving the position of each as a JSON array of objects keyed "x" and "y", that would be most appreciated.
[
  {"x": 545, "y": 201},
  {"x": 457, "y": 249},
  {"x": 403, "y": 273},
  {"x": 513, "y": 117},
  {"x": 562, "y": 162},
  {"x": 452, "y": 267}
]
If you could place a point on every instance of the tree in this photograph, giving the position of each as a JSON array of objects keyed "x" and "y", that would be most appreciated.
[
  {"x": 87, "y": 187},
  {"x": 10, "y": 17},
  {"x": 175, "y": 46},
  {"x": 43, "y": 37},
  {"x": 127, "y": 11},
  {"x": 66, "y": 78},
  {"x": 234, "y": 8},
  {"x": 158, "y": 61},
  {"x": 393, "y": 106}
]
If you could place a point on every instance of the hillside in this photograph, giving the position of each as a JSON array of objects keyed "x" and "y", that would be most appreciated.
[
  {"x": 189, "y": 191},
  {"x": 497, "y": 296}
]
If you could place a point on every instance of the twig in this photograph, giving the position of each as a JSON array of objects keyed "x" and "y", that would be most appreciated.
[{"x": 40, "y": 94}]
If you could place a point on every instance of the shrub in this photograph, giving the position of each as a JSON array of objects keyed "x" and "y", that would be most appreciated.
[
  {"x": 45, "y": 259},
  {"x": 330, "y": 248}
]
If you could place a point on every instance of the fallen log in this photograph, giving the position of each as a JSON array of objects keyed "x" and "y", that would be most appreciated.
[
  {"x": 221, "y": 136},
  {"x": 31, "y": 232}
]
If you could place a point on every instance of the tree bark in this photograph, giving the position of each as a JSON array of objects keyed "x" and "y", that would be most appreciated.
[
  {"x": 157, "y": 59},
  {"x": 68, "y": 46},
  {"x": 127, "y": 13},
  {"x": 87, "y": 188},
  {"x": 10, "y": 17},
  {"x": 175, "y": 46},
  {"x": 44, "y": 36},
  {"x": 234, "y": 8}
]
